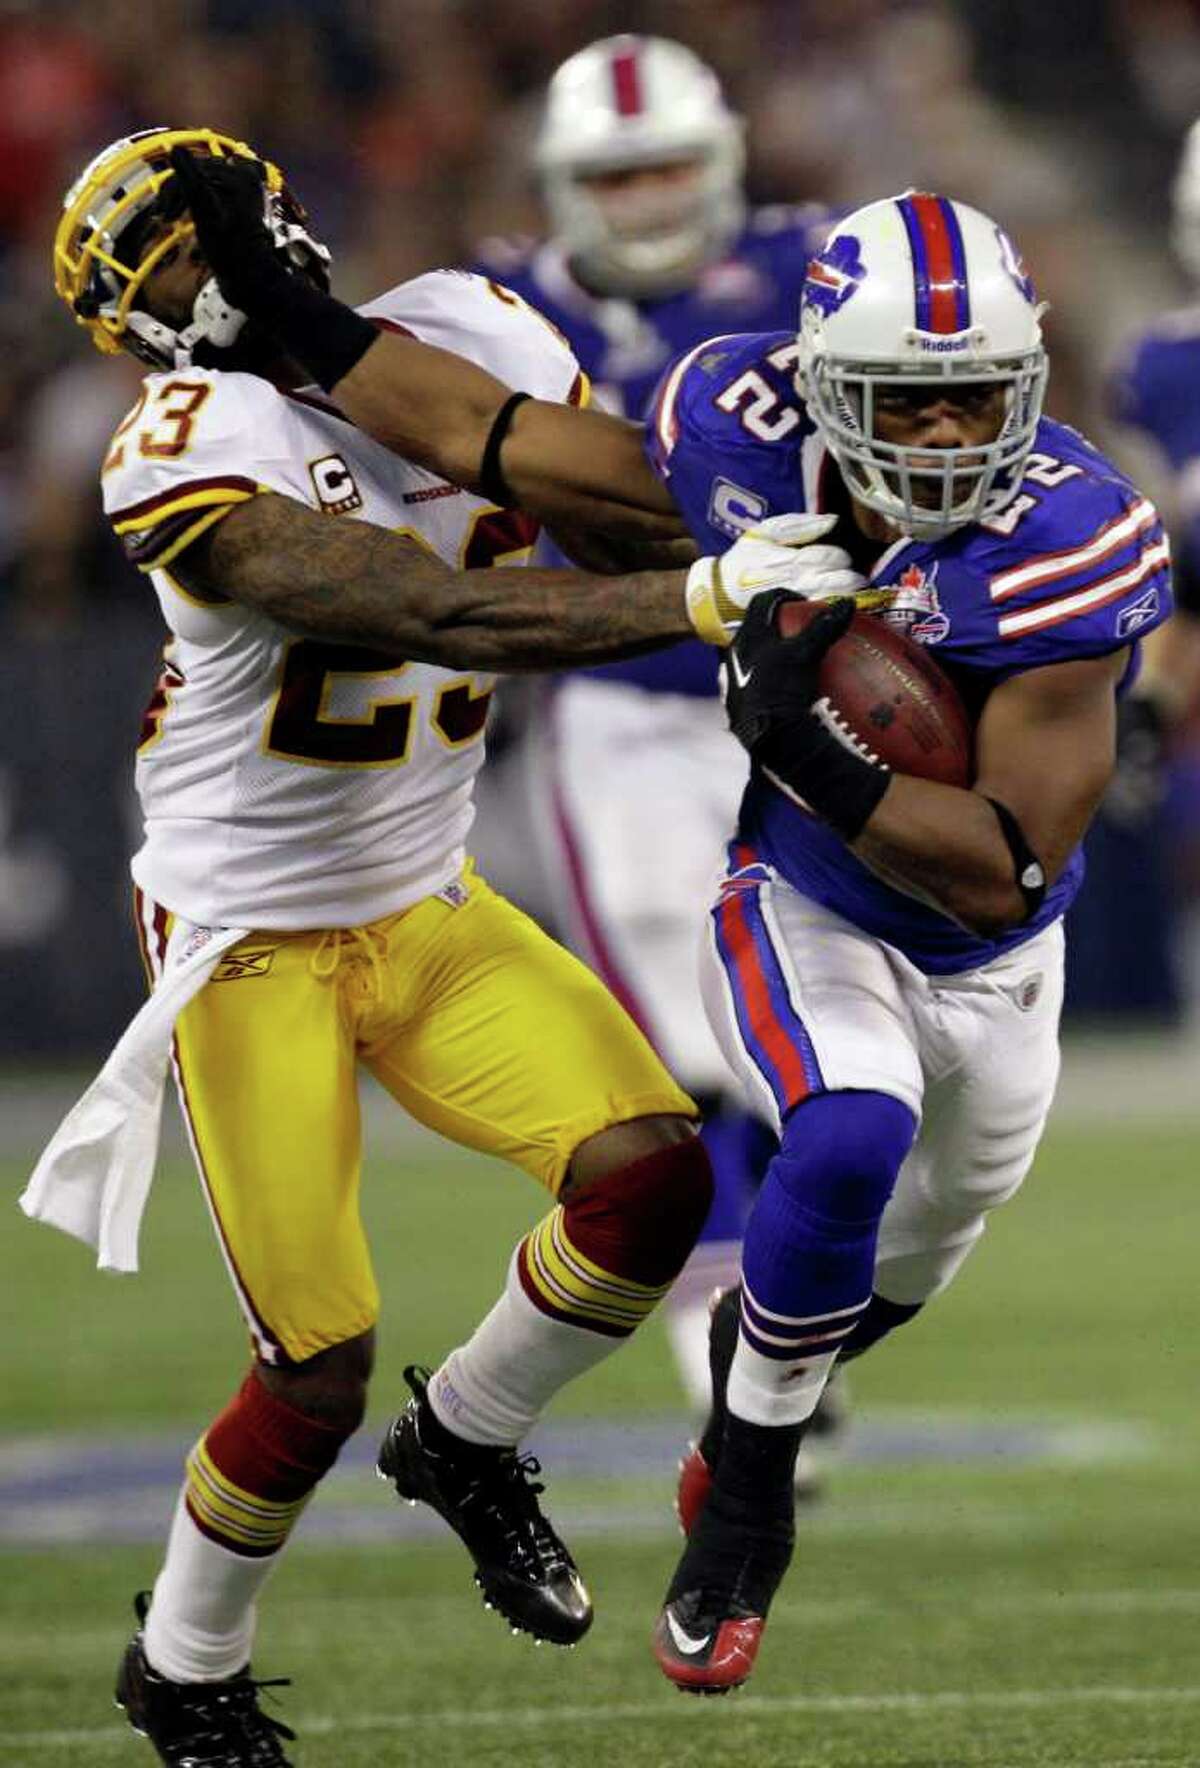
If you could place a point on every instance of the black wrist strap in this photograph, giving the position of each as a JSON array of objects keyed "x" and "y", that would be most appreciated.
[
  {"x": 1030, "y": 873},
  {"x": 320, "y": 332},
  {"x": 842, "y": 788},
  {"x": 492, "y": 482}
]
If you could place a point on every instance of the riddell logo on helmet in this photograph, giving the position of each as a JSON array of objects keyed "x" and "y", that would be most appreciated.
[{"x": 943, "y": 346}]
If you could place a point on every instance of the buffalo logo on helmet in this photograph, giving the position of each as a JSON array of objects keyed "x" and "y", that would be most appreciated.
[
  {"x": 834, "y": 274},
  {"x": 1013, "y": 262}
]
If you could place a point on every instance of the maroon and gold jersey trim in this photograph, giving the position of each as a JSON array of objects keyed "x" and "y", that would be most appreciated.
[{"x": 156, "y": 530}]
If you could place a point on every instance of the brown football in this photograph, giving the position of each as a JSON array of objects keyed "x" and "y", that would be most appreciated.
[{"x": 890, "y": 697}]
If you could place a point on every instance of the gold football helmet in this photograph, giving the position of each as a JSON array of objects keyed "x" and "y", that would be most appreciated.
[{"x": 120, "y": 219}]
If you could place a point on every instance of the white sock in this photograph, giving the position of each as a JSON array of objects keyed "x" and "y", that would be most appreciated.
[
  {"x": 687, "y": 1329},
  {"x": 201, "y": 1622},
  {"x": 493, "y": 1388},
  {"x": 767, "y": 1390}
]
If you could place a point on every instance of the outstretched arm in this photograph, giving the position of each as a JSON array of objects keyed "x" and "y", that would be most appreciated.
[
  {"x": 582, "y": 468},
  {"x": 354, "y": 583},
  {"x": 430, "y": 405}
]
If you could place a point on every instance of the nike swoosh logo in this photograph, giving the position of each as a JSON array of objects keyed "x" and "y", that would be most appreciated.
[
  {"x": 684, "y": 1641},
  {"x": 741, "y": 676}
]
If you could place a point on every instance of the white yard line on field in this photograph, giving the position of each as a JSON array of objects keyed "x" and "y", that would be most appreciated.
[{"x": 761, "y": 1705}]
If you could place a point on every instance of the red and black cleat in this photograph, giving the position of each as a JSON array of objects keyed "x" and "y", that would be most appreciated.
[{"x": 702, "y": 1650}]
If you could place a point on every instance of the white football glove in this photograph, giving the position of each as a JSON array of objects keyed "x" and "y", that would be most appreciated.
[{"x": 776, "y": 554}]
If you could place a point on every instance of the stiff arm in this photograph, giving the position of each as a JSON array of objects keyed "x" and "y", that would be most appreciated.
[
  {"x": 352, "y": 582},
  {"x": 573, "y": 468}
]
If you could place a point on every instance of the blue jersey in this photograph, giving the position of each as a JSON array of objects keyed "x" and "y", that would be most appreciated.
[
  {"x": 623, "y": 346},
  {"x": 1076, "y": 566},
  {"x": 1156, "y": 390}
]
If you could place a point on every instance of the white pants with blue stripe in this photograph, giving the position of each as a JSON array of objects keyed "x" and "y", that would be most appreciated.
[{"x": 801, "y": 1001}]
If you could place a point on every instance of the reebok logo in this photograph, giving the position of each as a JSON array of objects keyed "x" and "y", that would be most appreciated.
[{"x": 236, "y": 965}]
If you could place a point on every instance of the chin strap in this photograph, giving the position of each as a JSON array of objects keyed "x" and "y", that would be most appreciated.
[{"x": 214, "y": 321}]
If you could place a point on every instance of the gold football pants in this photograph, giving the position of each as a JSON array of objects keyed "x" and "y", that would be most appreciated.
[{"x": 470, "y": 1016}]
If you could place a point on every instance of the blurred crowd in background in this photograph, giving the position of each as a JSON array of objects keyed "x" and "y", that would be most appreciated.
[{"x": 405, "y": 126}]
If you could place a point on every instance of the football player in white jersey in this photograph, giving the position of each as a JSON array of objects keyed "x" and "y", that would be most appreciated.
[{"x": 305, "y": 771}]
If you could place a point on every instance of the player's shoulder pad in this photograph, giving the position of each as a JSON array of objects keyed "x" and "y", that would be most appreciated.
[
  {"x": 1078, "y": 564},
  {"x": 733, "y": 391},
  {"x": 192, "y": 446},
  {"x": 480, "y": 318}
]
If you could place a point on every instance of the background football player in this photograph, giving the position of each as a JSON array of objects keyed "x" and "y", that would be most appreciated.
[
  {"x": 640, "y": 162},
  {"x": 1156, "y": 392},
  {"x": 885, "y": 960},
  {"x": 305, "y": 772}
]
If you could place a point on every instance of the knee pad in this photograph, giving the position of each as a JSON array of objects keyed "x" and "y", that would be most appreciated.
[
  {"x": 841, "y": 1154},
  {"x": 641, "y": 1222}
]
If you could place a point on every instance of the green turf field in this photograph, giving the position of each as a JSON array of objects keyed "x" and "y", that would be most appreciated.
[{"x": 1000, "y": 1610}]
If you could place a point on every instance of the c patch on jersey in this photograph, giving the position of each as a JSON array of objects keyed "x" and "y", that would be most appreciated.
[
  {"x": 335, "y": 486},
  {"x": 733, "y": 509}
]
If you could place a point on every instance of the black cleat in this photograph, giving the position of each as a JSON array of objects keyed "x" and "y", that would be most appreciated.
[
  {"x": 489, "y": 1498},
  {"x": 708, "y": 1632},
  {"x": 199, "y": 1724}
]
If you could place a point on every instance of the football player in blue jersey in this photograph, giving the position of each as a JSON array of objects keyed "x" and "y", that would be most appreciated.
[
  {"x": 653, "y": 249},
  {"x": 1156, "y": 391},
  {"x": 884, "y": 959}
]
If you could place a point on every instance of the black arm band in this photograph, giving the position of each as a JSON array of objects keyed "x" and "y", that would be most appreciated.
[
  {"x": 320, "y": 331},
  {"x": 492, "y": 482},
  {"x": 1030, "y": 874}
]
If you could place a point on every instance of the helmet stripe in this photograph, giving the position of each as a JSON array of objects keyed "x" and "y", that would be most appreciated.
[
  {"x": 627, "y": 83},
  {"x": 939, "y": 263}
]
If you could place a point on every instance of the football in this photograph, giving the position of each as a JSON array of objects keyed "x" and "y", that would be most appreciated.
[{"x": 888, "y": 697}]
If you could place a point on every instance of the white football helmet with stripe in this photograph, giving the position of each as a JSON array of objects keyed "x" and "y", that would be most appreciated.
[
  {"x": 1185, "y": 204},
  {"x": 123, "y": 216},
  {"x": 626, "y": 103},
  {"x": 919, "y": 289}
]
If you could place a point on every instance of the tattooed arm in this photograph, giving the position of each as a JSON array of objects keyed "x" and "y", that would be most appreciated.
[{"x": 355, "y": 583}]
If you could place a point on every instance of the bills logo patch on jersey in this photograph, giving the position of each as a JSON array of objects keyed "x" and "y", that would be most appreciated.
[
  {"x": 334, "y": 484},
  {"x": 834, "y": 274},
  {"x": 915, "y": 608}
]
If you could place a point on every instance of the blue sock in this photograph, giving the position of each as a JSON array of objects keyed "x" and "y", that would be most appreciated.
[{"x": 809, "y": 1253}]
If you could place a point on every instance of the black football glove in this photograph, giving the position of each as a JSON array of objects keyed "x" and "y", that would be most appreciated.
[
  {"x": 226, "y": 200},
  {"x": 770, "y": 686},
  {"x": 1139, "y": 783}
]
